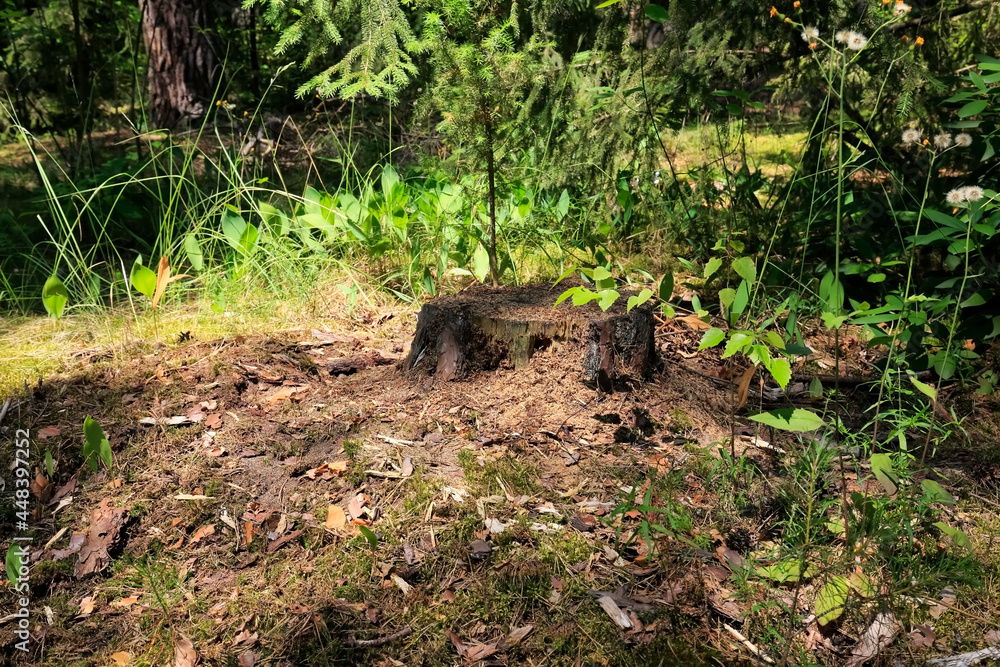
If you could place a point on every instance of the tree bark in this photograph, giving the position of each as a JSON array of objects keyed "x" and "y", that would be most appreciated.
[
  {"x": 181, "y": 61},
  {"x": 491, "y": 171}
]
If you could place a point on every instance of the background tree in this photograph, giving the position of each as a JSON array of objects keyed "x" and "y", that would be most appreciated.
[{"x": 182, "y": 68}]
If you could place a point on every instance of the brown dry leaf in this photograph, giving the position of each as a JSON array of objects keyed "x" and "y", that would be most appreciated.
[
  {"x": 743, "y": 390},
  {"x": 106, "y": 523},
  {"x": 282, "y": 541},
  {"x": 86, "y": 607},
  {"x": 245, "y": 637},
  {"x": 163, "y": 278},
  {"x": 64, "y": 490},
  {"x": 175, "y": 545},
  {"x": 879, "y": 634},
  {"x": 447, "y": 595},
  {"x": 248, "y": 659},
  {"x": 694, "y": 322},
  {"x": 407, "y": 467},
  {"x": 202, "y": 533},
  {"x": 121, "y": 658},
  {"x": 922, "y": 636},
  {"x": 213, "y": 421},
  {"x": 471, "y": 652},
  {"x": 515, "y": 637},
  {"x": 48, "y": 432},
  {"x": 287, "y": 392},
  {"x": 335, "y": 518},
  {"x": 124, "y": 603},
  {"x": 184, "y": 653},
  {"x": 947, "y": 600},
  {"x": 40, "y": 486},
  {"x": 216, "y": 452}
]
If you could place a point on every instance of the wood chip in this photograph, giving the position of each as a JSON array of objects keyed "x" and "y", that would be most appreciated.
[{"x": 619, "y": 617}]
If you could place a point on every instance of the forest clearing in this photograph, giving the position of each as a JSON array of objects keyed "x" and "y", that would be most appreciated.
[{"x": 468, "y": 332}]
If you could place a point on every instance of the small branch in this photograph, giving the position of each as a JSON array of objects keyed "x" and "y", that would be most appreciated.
[
  {"x": 381, "y": 641},
  {"x": 750, "y": 645}
]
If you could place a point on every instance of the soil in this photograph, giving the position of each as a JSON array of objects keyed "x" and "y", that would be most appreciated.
[{"x": 235, "y": 540}]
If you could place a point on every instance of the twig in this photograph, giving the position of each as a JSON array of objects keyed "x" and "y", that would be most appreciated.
[
  {"x": 3, "y": 411},
  {"x": 750, "y": 645},
  {"x": 394, "y": 441},
  {"x": 381, "y": 641}
]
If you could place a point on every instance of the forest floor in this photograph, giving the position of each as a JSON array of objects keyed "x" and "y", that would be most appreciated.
[{"x": 263, "y": 510}]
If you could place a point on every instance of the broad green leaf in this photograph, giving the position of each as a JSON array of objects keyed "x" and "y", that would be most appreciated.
[
  {"x": 657, "y": 13},
  {"x": 370, "y": 536},
  {"x": 711, "y": 338},
  {"x": 926, "y": 389},
  {"x": 726, "y": 297},
  {"x": 861, "y": 585},
  {"x": 712, "y": 266},
  {"x": 956, "y": 535},
  {"x": 935, "y": 493},
  {"x": 831, "y": 293},
  {"x": 742, "y": 298},
  {"x": 815, "y": 388},
  {"x": 745, "y": 269},
  {"x": 666, "y": 288},
  {"x": 55, "y": 296},
  {"x": 13, "y": 563},
  {"x": 276, "y": 223},
  {"x": 638, "y": 299},
  {"x": 791, "y": 419},
  {"x": 607, "y": 3},
  {"x": 607, "y": 298},
  {"x": 738, "y": 342},
  {"x": 603, "y": 278},
  {"x": 233, "y": 226},
  {"x": 831, "y": 321},
  {"x": 481, "y": 264},
  {"x": 582, "y": 295},
  {"x": 562, "y": 208},
  {"x": 972, "y": 108},
  {"x": 883, "y": 470},
  {"x": 876, "y": 278},
  {"x": 194, "y": 253},
  {"x": 830, "y": 600},
  {"x": 788, "y": 571},
  {"x": 96, "y": 446},
  {"x": 775, "y": 340},
  {"x": 781, "y": 371},
  {"x": 248, "y": 239},
  {"x": 50, "y": 464},
  {"x": 142, "y": 278}
]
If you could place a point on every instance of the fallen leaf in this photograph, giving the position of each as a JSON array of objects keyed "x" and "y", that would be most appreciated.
[
  {"x": 247, "y": 659},
  {"x": 86, "y": 607},
  {"x": 48, "y": 432},
  {"x": 245, "y": 637},
  {"x": 287, "y": 392},
  {"x": 202, "y": 533},
  {"x": 447, "y": 595},
  {"x": 106, "y": 523},
  {"x": 282, "y": 541},
  {"x": 407, "y": 467},
  {"x": 213, "y": 421},
  {"x": 694, "y": 322},
  {"x": 121, "y": 658},
  {"x": 922, "y": 636},
  {"x": 515, "y": 637},
  {"x": 216, "y": 452},
  {"x": 184, "y": 653},
  {"x": 879, "y": 634},
  {"x": 125, "y": 603},
  {"x": 335, "y": 518}
]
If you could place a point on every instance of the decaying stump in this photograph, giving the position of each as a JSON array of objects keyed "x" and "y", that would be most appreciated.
[{"x": 484, "y": 328}]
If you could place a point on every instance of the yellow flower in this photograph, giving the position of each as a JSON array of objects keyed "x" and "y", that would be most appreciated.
[
  {"x": 796, "y": 4},
  {"x": 919, "y": 41},
  {"x": 774, "y": 11}
]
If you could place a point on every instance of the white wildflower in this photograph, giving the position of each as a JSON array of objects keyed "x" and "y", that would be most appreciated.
[
  {"x": 955, "y": 197},
  {"x": 972, "y": 193},
  {"x": 810, "y": 34},
  {"x": 911, "y": 136},
  {"x": 963, "y": 139},
  {"x": 856, "y": 41},
  {"x": 942, "y": 140},
  {"x": 842, "y": 36},
  {"x": 901, "y": 8}
]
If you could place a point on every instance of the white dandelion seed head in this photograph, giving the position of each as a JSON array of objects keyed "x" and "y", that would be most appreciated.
[
  {"x": 810, "y": 34},
  {"x": 942, "y": 140},
  {"x": 856, "y": 41},
  {"x": 901, "y": 8},
  {"x": 955, "y": 197},
  {"x": 911, "y": 136},
  {"x": 963, "y": 139},
  {"x": 842, "y": 36},
  {"x": 972, "y": 193}
]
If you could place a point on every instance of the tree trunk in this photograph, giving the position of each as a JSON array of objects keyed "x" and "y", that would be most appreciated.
[
  {"x": 491, "y": 171},
  {"x": 181, "y": 60},
  {"x": 483, "y": 329}
]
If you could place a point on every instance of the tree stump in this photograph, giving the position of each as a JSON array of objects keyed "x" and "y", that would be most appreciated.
[{"x": 484, "y": 328}]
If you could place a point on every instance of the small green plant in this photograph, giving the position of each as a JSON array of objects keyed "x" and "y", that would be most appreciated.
[
  {"x": 54, "y": 297},
  {"x": 96, "y": 448},
  {"x": 658, "y": 516}
]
